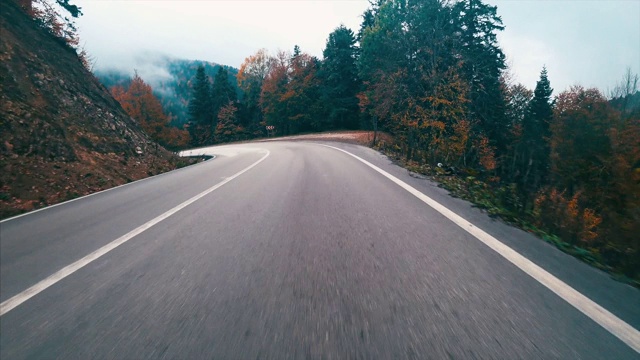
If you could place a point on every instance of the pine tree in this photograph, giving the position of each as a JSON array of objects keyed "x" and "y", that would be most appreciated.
[
  {"x": 227, "y": 128},
  {"x": 301, "y": 97},
  {"x": 200, "y": 109},
  {"x": 222, "y": 92},
  {"x": 535, "y": 136},
  {"x": 340, "y": 78},
  {"x": 483, "y": 63}
]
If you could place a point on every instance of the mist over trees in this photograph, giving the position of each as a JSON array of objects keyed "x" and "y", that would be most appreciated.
[{"x": 171, "y": 80}]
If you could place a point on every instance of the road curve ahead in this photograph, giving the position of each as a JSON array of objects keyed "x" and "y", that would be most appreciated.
[{"x": 296, "y": 250}]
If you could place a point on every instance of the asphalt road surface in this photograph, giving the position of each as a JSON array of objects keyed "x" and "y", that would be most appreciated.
[{"x": 295, "y": 250}]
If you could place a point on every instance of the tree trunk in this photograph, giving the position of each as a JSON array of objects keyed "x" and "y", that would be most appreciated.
[{"x": 375, "y": 131}]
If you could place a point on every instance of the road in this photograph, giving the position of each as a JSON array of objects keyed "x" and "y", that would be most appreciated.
[{"x": 295, "y": 250}]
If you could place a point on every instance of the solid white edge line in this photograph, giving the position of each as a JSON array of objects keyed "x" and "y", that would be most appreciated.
[
  {"x": 616, "y": 326},
  {"x": 100, "y": 192},
  {"x": 40, "y": 286}
]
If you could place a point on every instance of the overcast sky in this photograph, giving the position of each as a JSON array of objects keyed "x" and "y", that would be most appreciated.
[{"x": 581, "y": 42}]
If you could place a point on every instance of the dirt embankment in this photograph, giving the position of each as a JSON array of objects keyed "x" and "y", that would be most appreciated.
[
  {"x": 360, "y": 137},
  {"x": 62, "y": 135}
]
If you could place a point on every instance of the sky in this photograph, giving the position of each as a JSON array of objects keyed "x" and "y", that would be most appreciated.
[{"x": 590, "y": 43}]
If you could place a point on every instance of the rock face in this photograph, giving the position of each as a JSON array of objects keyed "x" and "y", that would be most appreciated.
[{"x": 62, "y": 134}]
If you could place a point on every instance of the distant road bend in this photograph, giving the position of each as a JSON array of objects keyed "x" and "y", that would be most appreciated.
[{"x": 296, "y": 250}]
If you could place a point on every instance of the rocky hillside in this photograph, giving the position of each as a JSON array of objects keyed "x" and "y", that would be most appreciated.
[{"x": 62, "y": 135}]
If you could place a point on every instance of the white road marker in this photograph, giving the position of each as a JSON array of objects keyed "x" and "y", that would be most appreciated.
[
  {"x": 597, "y": 313},
  {"x": 34, "y": 290}
]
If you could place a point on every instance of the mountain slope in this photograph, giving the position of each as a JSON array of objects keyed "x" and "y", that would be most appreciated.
[
  {"x": 62, "y": 135},
  {"x": 170, "y": 79}
]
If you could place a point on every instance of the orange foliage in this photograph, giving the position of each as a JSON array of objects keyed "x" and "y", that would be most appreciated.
[
  {"x": 140, "y": 103},
  {"x": 590, "y": 222},
  {"x": 460, "y": 137},
  {"x": 227, "y": 128},
  {"x": 566, "y": 217},
  {"x": 274, "y": 89},
  {"x": 253, "y": 70},
  {"x": 486, "y": 154},
  {"x": 51, "y": 19}
]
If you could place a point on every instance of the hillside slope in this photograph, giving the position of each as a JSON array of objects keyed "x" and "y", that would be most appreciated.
[
  {"x": 170, "y": 79},
  {"x": 62, "y": 135}
]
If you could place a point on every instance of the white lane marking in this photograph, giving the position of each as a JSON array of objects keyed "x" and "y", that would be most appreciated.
[
  {"x": 597, "y": 313},
  {"x": 224, "y": 150},
  {"x": 32, "y": 291}
]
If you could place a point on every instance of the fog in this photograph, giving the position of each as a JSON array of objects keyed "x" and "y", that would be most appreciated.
[{"x": 586, "y": 42}]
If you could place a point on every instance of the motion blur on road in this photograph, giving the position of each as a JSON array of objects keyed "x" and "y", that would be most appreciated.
[{"x": 303, "y": 252}]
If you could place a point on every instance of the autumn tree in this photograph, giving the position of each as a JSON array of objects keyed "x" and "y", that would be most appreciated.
[
  {"x": 227, "y": 127},
  {"x": 416, "y": 89},
  {"x": 274, "y": 88},
  {"x": 140, "y": 103},
  {"x": 304, "y": 108},
  {"x": 595, "y": 154},
  {"x": 580, "y": 145},
  {"x": 251, "y": 77},
  {"x": 622, "y": 210},
  {"x": 200, "y": 109}
]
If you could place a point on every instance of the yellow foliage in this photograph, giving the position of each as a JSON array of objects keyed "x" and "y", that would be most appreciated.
[
  {"x": 486, "y": 154},
  {"x": 565, "y": 217},
  {"x": 590, "y": 221}
]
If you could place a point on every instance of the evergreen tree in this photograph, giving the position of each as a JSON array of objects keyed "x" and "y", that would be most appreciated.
[
  {"x": 227, "y": 128},
  {"x": 380, "y": 64},
  {"x": 517, "y": 100},
  {"x": 340, "y": 78},
  {"x": 301, "y": 98},
  {"x": 222, "y": 92},
  {"x": 483, "y": 63},
  {"x": 535, "y": 136},
  {"x": 200, "y": 109},
  {"x": 368, "y": 20}
]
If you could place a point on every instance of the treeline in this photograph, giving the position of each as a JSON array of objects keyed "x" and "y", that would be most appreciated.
[
  {"x": 431, "y": 73},
  {"x": 171, "y": 80},
  {"x": 294, "y": 92}
]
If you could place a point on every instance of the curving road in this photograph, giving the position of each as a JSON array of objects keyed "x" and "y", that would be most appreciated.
[{"x": 296, "y": 250}]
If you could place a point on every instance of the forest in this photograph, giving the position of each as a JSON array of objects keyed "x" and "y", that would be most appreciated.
[{"x": 431, "y": 74}]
